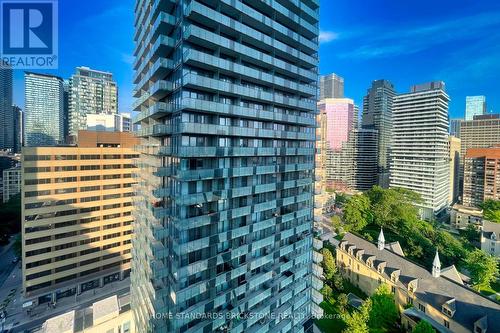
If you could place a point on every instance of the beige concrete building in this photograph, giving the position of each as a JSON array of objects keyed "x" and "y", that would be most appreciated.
[
  {"x": 438, "y": 296},
  {"x": 110, "y": 315},
  {"x": 461, "y": 216},
  {"x": 454, "y": 146},
  {"x": 77, "y": 215},
  {"x": 11, "y": 183},
  {"x": 481, "y": 176}
]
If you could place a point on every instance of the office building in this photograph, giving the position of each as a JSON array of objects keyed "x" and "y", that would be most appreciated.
[
  {"x": 455, "y": 127},
  {"x": 18, "y": 128},
  {"x": 225, "y": 195},
  {"x": 481, "y": 176},
  {"x": 454, "y": 146},
  {"x": 377, "y": 115},
  {"x": 6, "y": 112},
  {"x": 474, "y": 106},
  {"x": 438, "y": 295},
  {"x": 363, "y": 149},
  {"x": 11, "y": 183},
  {"x": 331, "y": 86},
  {"x": 482, "y": 132},
  {"x": 44, "y": 110},
  {"x": 90, "y": 92},
  {"x": 419, "y": 157},
  {"x": 461, "y": 216},
  {"x": 337, "y": 119},
  {"x": 77, "y": 215},
  {"x": 118, "y": 122}
]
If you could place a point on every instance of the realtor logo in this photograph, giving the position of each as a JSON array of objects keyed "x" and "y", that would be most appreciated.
[{"x": 29, "y": 36}]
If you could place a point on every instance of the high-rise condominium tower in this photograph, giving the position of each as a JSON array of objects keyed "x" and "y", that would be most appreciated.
[
  {"x": 377, "y": 115},
  {"x": 474, "y": 106},
  {"x": 44, "y": 108},
  {"x": 77, "y": 215},
  {"x": 331, "y": 86},
  {"x": 90, "y": 92},
  {"x": 7, "y": 130},
  {"x": 481, "y": 175},
  {"x": 227, "y": 95},
  {"x": 420, "y": 158}
]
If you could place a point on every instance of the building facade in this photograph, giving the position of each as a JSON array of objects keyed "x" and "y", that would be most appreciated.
[
  {"x": 44, "y": 110},
  {"x": 474, "y": 106},
  {"x": 118, "y": 122},
  {"x": 11, "y": 183},
  {"x": 437, "y": 296},
  {"x": 227, "y": 98},
  {"x": 461, "y": 216},
  {"x": 481, "y": 176},
  {"x": 18, "y": 128},
  {"x": 90, "y": 92},
  {"x": 331, "y": 86},
  {"x": 7, "y": 132},
  {"x": 482, "y": 132},
  {"x": 454, "y": 146},
  {"x": 455, "y": 127},
  {"x": 490, "y": 238},
  {"x": 419, "y": 157},
  {"x": 77, "y": 215},
  {"x": 377, "y": 115}
]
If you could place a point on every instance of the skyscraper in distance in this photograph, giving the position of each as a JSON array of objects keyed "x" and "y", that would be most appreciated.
[
  {"x": 331, "y": 86},
  {"x": 18, "y": 128},
  {"x": 226, "y": 92},
  {"x": 474, "y": 106},
  {"x": 90, "y": 92},
  {"x": 6, "y": 110},
  {"x": 377, "y": 115},
  {"x": 44, "y": 110},
  {"x": 455, "y": 127},
  {"x": 420, "y": 157}
]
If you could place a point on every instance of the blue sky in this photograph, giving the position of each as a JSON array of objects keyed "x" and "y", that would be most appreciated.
[{"x": 457, "y": 41}]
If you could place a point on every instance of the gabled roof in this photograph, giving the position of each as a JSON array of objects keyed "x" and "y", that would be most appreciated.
[
  {"x": 396, "y": 248},
  {"x": 470, "y": 306}
]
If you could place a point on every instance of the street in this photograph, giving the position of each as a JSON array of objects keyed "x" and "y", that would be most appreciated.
[{"x": 6, "y": 264}]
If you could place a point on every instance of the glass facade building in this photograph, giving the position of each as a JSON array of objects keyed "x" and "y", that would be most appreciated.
[
  {"x": 474, "y": 106},
  {"x": 331, "y": 86},
  {"x": 7, "y": 129},
  {"x": 226, "y": 92},
  {"x": 44, "y": 110}
]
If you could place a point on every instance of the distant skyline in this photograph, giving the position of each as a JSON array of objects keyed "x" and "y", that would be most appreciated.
[{"x": 360, "y": 41}]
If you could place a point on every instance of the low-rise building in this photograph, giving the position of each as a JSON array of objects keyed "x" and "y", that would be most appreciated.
[
  {"x": 110, "y": 315},
  {"x": 461, "y": 216},
  {"x": 438, "y": 296},
  {"x": 11, "y": 183},
  {"x": 490, "y": 238}
]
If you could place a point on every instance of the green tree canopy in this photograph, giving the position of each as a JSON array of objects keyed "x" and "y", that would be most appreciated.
[
  {"x": 423, "y": 327},
  {"x": 357, "y": 321},
  {"x": 329, "y": 265},
  {"x": 491, "y": 210},
  {"x": 483, "y": 268},
  {"x": 357, "y": 213},
  {"x": 384, "y": 312}
]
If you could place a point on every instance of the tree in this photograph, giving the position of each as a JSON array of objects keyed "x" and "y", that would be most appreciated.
[
  {"x": 338, "y": 282},
  {"x": 336, "y": 222},
  {"x": 327, "y": 292},
  {"x": 342, "y": 302},
  {"x": 483, "y": 268},
  {"x": 384, "y": 312},
  {"x": 357, "y": 321},
  {"x": 357, "y": 213},
  {"x": 329, "y": 266},
  {"x": 471, "y": 234},
  {"x": 491, "y": 210},
  {"x": 423, "y": 327}
]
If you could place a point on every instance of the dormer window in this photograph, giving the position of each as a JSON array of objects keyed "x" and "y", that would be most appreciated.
[{"x": 448, "y": 308}]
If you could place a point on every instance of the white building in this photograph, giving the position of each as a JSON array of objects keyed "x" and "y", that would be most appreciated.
[
  {"x": 490, "y": 238},
  {"x": 420, "y": 158},
  {"x": 91, "y": 92},
  {"x": 11, "y": 183},
  {"x": 118, "y": 122}
]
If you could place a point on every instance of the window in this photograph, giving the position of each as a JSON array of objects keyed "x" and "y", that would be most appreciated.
[
  {"x": 421, "y": 307},
  {"x": 446, "y": 323}
]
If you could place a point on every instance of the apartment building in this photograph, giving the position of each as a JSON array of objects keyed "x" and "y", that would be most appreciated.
[
  {"x": 226, "y": 92},
  {"x": 454, "y": 145},
  {"x": 438, "y": 296},
  {"x": 7, "y": 114},
  {"x": 77, "y": 215},
  {"x": 481, "y": 176},
  {"x": 420, "y": 157},
  {"x": 11, "y": 183}
]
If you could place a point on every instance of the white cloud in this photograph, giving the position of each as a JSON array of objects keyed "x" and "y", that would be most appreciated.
[{"x": 327, "y": 36}]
